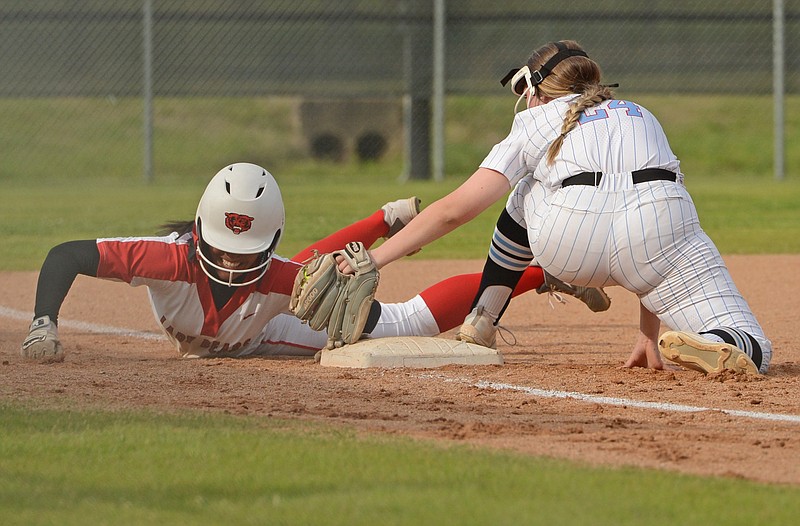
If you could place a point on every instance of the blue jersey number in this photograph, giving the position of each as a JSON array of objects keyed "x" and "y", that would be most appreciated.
[{"x": 593, "y": 114}]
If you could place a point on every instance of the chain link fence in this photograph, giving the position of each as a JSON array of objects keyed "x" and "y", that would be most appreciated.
[{"x": 125, "y": 87}]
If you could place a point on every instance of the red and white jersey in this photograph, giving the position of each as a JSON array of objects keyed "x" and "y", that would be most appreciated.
[
  {"x": 256, "y": 319},
  {"x": 606, "y": 139}
]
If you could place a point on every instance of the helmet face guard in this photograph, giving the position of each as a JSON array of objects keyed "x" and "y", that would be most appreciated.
[
  {"x": 241, "y": 212},
  {"x": 262, "y": 264}
]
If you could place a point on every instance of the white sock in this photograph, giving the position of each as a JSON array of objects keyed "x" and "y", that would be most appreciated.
[
  {"x": 494, "y": 298},
  {"x": 411, "y": 318}
]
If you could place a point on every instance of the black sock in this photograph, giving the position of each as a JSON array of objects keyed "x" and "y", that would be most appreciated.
[
  {"x": 740, "y": 339},
  {"x": 509, "y": 257},
  {"x": 373, "y": 317}
]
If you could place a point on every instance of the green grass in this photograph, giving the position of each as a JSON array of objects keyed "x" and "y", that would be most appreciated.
[
  {"x": 71, "y": 467},
  {"x": 741, "y": 215},
  {"x": 314, "y": 209}
]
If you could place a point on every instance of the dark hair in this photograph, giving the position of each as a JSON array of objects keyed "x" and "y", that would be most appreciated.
[{"x": 181, "y": 227}]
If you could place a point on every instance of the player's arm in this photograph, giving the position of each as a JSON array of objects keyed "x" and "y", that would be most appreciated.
[
  {"x": 645, "y": 350},
  {"x": 458, "y": 207},
  {"x": 59, "y": 270}
]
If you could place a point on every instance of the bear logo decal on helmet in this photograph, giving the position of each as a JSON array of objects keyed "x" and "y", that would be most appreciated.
[{"x": 238, "y": 223}]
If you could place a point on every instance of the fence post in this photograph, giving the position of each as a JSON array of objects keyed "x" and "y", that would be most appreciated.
[
  {"x": 778, "y": 86},
  {"x": 417, "y": 43},
  {"x": 439, "y": 28},
  {"x": 147, "y": 88}
]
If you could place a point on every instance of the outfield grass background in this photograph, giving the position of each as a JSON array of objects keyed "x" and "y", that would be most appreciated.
[
  {"x": 742, "y": 214},
  {"x": 83, "y": 467},
  {"x": 82, "y": 178}
]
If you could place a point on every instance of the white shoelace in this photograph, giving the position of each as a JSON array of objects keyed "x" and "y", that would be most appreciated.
[
  {"x": 502, "y": 330},
  {"x": 558, "y": 297}
]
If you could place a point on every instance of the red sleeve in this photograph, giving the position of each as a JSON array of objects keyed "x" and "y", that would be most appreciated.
[
  {"x": 161, "y": 258},
  {"x": 280, "y": 276}
]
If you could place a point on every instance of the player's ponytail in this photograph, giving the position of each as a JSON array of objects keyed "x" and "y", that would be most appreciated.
[
  {"x": 575, "y": 73},
  {"x": 592, "y": 95}
]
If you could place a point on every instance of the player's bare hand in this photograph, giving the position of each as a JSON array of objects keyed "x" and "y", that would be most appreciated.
[
  {"x": 344, "y": 266},
  {"x": 638, "y": 358},
  {"x": 42, "y": 343},
  {"x": 645, "y": 354}
]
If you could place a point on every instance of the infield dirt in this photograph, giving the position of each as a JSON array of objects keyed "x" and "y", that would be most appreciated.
[{"x": 518, "y": 406}]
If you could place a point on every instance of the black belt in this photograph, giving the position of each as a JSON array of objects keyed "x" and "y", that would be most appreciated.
[{"x": 639, "y": 176}]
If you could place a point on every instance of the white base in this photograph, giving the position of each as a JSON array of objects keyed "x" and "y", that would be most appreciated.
[{"x": 409, "y": 351}]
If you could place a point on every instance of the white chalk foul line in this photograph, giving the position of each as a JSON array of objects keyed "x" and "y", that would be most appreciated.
[
  {"x": 660, "y": 406},
  {"x": 483, "y": 384},
  {"x": 14, "y": 314},
  {"x": 608, "y": 400}
]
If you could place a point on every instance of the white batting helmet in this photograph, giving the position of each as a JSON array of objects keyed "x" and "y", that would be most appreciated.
[{"x": 241, "y": 212}]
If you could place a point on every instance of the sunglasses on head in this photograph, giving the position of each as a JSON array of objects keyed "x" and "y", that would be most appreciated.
[{"x": 522, "y": 78}]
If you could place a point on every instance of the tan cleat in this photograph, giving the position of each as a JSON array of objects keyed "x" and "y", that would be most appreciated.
[
  {"x": 398, "y": 214},
  {"x": 695, "y": 352},
  {"x": 596, "y": 299},
  {"x": 478, "y": 328}
]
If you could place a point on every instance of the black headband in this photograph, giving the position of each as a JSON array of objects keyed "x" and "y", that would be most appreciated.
[{"x": 539, "y": 75}]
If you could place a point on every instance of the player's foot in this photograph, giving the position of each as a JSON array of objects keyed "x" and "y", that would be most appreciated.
[
  {"x": 695, "y": 352},
  {"x": 398, "y": 214},
  {"x": 596, "y": 299},
  {"x": 478, "y": 328}
]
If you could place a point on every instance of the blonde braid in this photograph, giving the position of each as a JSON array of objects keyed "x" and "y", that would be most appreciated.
[{"x": 592, "y": 96}]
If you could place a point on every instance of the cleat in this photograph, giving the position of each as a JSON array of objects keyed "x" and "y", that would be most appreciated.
[
  {"x": 398, "y": 214},
  {"x": 478, "y": 328},
  {"x": 596, "y": 299},
  {"x": 695, "y": 352}
]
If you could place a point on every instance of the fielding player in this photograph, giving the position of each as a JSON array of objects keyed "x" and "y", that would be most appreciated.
[{"x": 598, "y": 200}]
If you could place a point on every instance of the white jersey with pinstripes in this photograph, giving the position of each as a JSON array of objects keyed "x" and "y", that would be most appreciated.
[
  {"x": 614, "y": 137},
  {"x": 645, "y": 237}
]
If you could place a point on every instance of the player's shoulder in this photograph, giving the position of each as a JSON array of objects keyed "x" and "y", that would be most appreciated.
[
  {"x": 172, "y": 239},
  {"x": 285, "y": 263},
  {"x": 623, "y": 103},
  {"x": 159, "y": 257},
  {"x": 280, "y": 276}
]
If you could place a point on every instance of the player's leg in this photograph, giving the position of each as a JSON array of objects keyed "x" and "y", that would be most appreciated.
[
  {"x": 439, "y": 308},
  {"x": 723, "y": 348},
  {"x": 713, "y": 326},
  {"x": 447, "y": 303},
  {"x": 383, "y": 223},
  {"x": 509, "y": 257},
  {"x": 451, "y": 300},
  {"x": 286, "y": 335}
]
